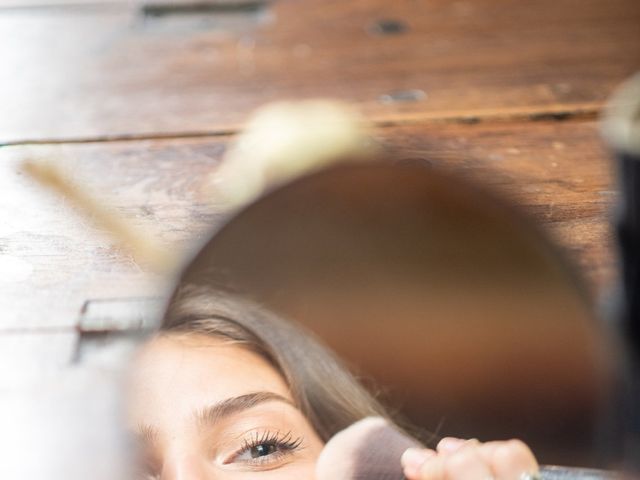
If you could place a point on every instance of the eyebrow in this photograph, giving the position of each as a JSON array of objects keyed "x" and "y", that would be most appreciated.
[
  {"x": 214, "y": 413},
  {"x": 147, "y": 433}
]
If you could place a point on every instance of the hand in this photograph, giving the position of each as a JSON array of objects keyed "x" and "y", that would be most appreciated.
[{"x": 457, "y": 459}]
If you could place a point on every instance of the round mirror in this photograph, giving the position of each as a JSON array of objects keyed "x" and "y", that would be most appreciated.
[{"x": 442, "y": 298}]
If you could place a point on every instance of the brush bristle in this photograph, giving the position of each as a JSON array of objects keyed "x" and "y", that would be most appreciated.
[{"x": 369, "y": 449}]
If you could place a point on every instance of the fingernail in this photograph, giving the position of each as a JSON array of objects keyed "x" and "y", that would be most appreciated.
[
  {"x": 450, "y": 444},
  {"x": 412, "y": 459}
]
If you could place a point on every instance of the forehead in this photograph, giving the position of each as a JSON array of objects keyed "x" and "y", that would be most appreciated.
[{"x": 172, "y": 377}]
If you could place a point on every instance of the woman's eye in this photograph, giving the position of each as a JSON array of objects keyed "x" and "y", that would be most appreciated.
[
  {"x": 263, "y": 450},
  {"x": 257, "y": 451},
  {"x": 266, "y": 448}
]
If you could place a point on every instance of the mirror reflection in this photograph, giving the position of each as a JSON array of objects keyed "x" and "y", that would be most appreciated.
[{"x": 386, "y": 289}]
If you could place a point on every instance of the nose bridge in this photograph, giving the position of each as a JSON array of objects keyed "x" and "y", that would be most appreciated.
[{"x": 187, "y": 466}]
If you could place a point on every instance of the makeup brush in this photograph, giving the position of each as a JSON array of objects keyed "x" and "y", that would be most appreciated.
[
  {"x": 371, "y": 450},
  {"x": 368, "y": 449}
]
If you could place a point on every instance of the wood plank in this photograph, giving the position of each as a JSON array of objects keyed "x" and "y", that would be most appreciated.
[
  {"x": 114, "y": 72},
  {"x": 559, "y": 173},
  {"x": 54, "y": 260}
]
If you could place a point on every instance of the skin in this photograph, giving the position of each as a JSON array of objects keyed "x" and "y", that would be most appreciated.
[
  {"x": 176, "y": 383},
  {"x": 206, "y": 409},
  {"x": 457, "y": 459}
]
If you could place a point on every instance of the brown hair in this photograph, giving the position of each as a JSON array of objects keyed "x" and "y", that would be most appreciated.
[{"x": 323, "y": 388}]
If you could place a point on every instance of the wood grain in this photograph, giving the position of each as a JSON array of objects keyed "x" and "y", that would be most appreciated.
[
  {"x": 112, "y": 72},
  {"x": 558, "y": 172},
  {"x": 54, "y": 259}
]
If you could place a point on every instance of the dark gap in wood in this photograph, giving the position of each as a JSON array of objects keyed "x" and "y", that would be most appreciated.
[
  {"x": 204, "y": 7},
  {"x": 551, "y": 116},
  {"x": 520, "y": 117},
  {"x": 120, "y": 138},
  {"x": 579, "y": 115}
]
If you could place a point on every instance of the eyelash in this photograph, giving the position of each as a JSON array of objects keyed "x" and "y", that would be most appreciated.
[{"x": 285, "y": 444}]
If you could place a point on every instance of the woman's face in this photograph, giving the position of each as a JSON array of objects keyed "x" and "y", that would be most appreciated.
[{"x": 206, "y": 409}]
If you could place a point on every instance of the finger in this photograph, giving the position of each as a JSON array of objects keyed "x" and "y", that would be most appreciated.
[
  {"x": 510, "y": 459},
  {"x": 432, "y": 469},
  {"x": 467, "y": 463},
  {"x": 449, "y": 444},
  {"x": 413, "y": 459},
  {"x": 488, "y": 449}
]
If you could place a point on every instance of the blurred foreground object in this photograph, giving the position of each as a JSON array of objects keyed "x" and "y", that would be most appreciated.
[
  {"x": 141, "y": 244},
  {"x": 63, "y": 422},
  {"x": 621, "y": 128},
  {"x": 286, "y": 139}
]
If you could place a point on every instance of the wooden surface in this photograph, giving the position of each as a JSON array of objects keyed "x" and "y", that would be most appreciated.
[
  {"x": 110, "y": 71},
  {"x": 557, "y": 171},
  {"x": 560, "y": 174},
  {"x": 140, "y": 109}
]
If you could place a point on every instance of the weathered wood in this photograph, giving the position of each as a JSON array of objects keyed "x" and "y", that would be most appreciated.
[
  {"x": 559, "y": 172},
  {"x": 54, "y": 260},
  {"x": 112, "y": 71}
]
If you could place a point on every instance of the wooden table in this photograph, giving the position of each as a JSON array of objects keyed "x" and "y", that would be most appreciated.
[{"x": 140, "y": 103}]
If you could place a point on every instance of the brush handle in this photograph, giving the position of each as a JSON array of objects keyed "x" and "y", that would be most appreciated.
[{"x": 549, "y": 472}]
